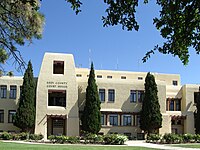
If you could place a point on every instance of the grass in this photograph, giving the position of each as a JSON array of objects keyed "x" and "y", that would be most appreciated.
[
  {"x": 196, "y": 145},
  {"x": 19, "y": 146}
]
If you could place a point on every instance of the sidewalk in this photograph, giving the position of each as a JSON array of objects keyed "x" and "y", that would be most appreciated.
[{"x": 155, "y": 146}]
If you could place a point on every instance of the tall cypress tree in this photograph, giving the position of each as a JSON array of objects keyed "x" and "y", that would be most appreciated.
[
  {"x": 91, "y": 118},
  {"x": 150, "y": 117},
  {"x": 25, "y": 115}
]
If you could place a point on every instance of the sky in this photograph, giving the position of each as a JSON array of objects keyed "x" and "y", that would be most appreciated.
[{"x": 110, "y": 48}]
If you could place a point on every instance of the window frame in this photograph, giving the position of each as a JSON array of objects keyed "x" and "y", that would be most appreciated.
[
  {"x": 3, "y": 91},
  {"x": 62, "y": 67},
  {"x": 111, "y": 95},
  {"x": 113, "y": 119},
  {"x": 13, "y": 94},
  {"x": 126, "y": 121},
  {"x": 1, "y": 115},
  {"x": 10, "y": 115},
  {"x": 102, "y": 92}
]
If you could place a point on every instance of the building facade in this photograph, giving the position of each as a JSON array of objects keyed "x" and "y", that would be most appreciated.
[{"x": 60, "y": 96}]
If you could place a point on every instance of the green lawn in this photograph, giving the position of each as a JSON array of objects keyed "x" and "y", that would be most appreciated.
[
  {"x": 196, "y": 145},
  {"x": 19, "y": 146}
]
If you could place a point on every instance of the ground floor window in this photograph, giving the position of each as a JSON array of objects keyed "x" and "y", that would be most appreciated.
[
  {"x": 113, "y": 119},
  {"x": 11, "y": 113},
  {"x": 127, "y": 120},
  {"x": 1, "y": 116}
]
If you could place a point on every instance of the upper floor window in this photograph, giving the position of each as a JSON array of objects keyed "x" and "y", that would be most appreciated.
[
  {"x": 123, "y": 77},
  {"x": 78, "y": 75},
  {"x": 136, "y": 96},
  {"x": 127, "y": 120},
  {"x": 57, "y": 98},
  {"x": 140, "y": 78},
  {"x": 109, "y": 77},
  {"x": 1, "y": 116},
  {"x": 13, "y": 91},
  {"x": 111, "y": 95},
  {"x": 175, "y": 83},
  {"x": 102, "y": 95},
  {"x": 58, "y": 67},
  {"x": 11, "y": 113},
  {"x": 99, "y": 76},
  {"x": 113, "y": 119},
  {"x": 173, "y": 104},
  {"x": 3, "y": 91}
]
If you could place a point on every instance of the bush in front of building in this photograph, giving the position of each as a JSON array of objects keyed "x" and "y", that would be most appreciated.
[
  {"x": 115, "y": 139},
  {"x": 6, "y": 136},
  {"x": 64, "y": 139},
  {"x": 153, "y": 138},
  {"x": 92, "y": 138}
]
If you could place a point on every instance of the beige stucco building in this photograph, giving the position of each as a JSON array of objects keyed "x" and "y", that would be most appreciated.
[{"x": 60, "y": 97}]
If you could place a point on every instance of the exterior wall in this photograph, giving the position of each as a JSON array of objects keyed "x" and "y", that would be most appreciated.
[
  {"x": 74, "y": 82},
  {"x": 49, "y": 81},
  {"x": 9, "y": 104}
]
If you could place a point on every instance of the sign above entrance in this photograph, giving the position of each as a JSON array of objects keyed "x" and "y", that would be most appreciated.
[{"x": 57, "y": 84}]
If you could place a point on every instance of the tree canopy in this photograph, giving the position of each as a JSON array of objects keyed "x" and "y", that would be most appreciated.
[
  {"x": 91, "y": 117},
  {"x": 20, "y": 22},
  {"x": 25, "y": 115},
  {"x": 150, "y": 117},
  {"x": 179, "y": 24}
]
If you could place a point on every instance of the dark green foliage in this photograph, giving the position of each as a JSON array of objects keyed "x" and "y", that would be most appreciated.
[
  {"x": 197, "y": 114},
  {"x": 20, "y": 22},
  {"x": 91, "y": 118},
  {"x": 25, "y": 115},
  {"x": 150, "y": 117},
  {"x": 115, "y": 139}
]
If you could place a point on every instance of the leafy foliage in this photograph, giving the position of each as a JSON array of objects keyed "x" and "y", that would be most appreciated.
[
  {"x": 179, "y": 25},
  {"x": 150, "y": 117},
  {"x": 20, "y": 21},
  {"x": 25, "y": 115},
  {"x": 91, "y": 118}
]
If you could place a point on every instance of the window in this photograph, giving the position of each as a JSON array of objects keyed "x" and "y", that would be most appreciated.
[
  {"x": 58, "y": 123},
  {"x": 111, "y": 95},
  {"x": 123, "y": 77},
  {"x": 127, "y": 120},
  {"x": 173, "y": 104},
  {"x": 1, "y": 116},
  {"x": 11, "y": 113},
  {"x": 133, "y": 97},
  {"x": 99, "y": 76},
  {"x": 175, "y": 83},
  {"x": 57, "y": 98},
  {"x": 196, "y": 97},
  {"x": 58, "y": 67},
  {"x": 102, "y": 95},
  {"x": 3, "y": 91},
  {"x": 114, "y": 119},
  {"x": 78, "y": 75},
  {"x": 13, "y": 91},
  {"x": 102, "y": 119},
  {"x": 109, "y": 77},
  {"x": 136, "y": 96},
  {"x": 140, "y": 96},
  {"x": 140, "y": 78},
  {"x": 138, "y": 120}
]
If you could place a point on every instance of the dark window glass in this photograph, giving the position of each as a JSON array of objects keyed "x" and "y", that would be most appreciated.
[
  {"x": 140, "y": 96},
  {"x": 13, "y": 92},
  {"x": 3, "y": 91},
  {"x": 1, "y": 116},
  {"x": 58, "y": 67},
  {"x": 111, "y": 95},
  {"x": 11, "y": 113},
  {"x": 57, "y": 98},
  {"x": 171, "y": 105},
  {"x": 102, "y": 119},
  {"x": 114, "y": 120},
  {"x": 99, "y": 76},
  {"x": 133, "y": 97},
  {"x": 175, "y": 83},
  {"x": 127, "y": 120},
  {"x": 123, "y": 77},
  {"x": 178, "y": 105},
  {"x": 109, "y": 77},
  {"x": 138, "y": 120},
  {"x": 102, "y": 95}
]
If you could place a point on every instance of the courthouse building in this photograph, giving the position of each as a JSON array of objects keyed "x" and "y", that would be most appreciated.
[{"x": 60, "y": 96}]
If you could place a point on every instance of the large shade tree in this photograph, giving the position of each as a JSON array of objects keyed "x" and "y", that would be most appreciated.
[
  {"x": 150, "y": 117},
  {"x": 178, "y": 24},
  {"x": 91, "y": 117},
  {"x": 25, "y": 115}
]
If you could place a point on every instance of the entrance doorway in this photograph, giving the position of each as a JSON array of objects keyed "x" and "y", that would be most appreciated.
[{"x": 58, "y": 127}]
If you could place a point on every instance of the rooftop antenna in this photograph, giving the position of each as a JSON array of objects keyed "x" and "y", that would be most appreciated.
[
  {"x": 117, "y": 65},
  {"x": 89, "y": 57}
]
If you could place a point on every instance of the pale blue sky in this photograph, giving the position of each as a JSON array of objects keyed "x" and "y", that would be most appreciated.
[{"x": 111, "y": 48}]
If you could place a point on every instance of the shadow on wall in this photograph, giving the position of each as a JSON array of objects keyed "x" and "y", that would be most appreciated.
[
  {"x": 81, "y": 98},
  {"x": 128, "y": 106}
]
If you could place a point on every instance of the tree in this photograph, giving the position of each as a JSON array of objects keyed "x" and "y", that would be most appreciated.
[
  {"x": 197, "y": 113},
  {"x": 91, "y": 117},
  {"x": 20, "y": 22},
  {"x": 25, "y": 115},
  {"x": 150, "y": 117}
]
